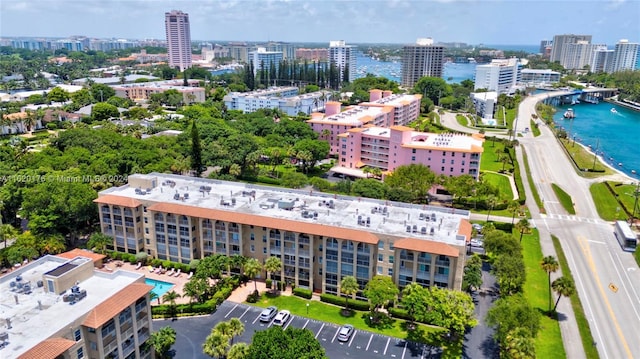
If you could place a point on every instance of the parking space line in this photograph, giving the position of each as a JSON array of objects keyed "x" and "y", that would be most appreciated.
[
  {"x": 232, "y": 309},
  {"x": 318, "y": 333},
  {"x": 353, "y": 336},
  {"x": 288, "y": 323},
  {"x": 405, "y": 349},
  {"x": 369, "y": 343},
  {"x": 386, "y": 346},
  {"x": 258, "y": 317},
  {"x": 305, "y": 324},
  {"x": 245, "y": 312},
  {"x": 335, "y": 335}
]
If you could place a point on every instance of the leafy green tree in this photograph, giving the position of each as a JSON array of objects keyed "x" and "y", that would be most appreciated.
[
  {"x": 162, "y": 340},
  {"x": 460, "y": 186},
  {"x": 82, "y": 97},
  {"x": 251, "y": 269},
  {"x": 380, "y": 290},
  {"x": 433, "y": 88},
  {"x": 509, "y": 270},
  {"x": 349, "y": 287},
  {"x": 104, "y": 111},
  {"x": 7, "y": 232},
  {"x": 57, "y": 94},
  {"x": 512, "y": 312},
  {"x": 309, "y": 152},
  {"x": 101, "y": 92},
  {"x": 196, "y": 150},
  {"x": 99, "y": 242},
  {"x": 212, "y": 266},
  {"x": 292, "y": 343},
  {"x": 369, "y": 188},
  {"x": 519, "y": 345},
  {"x": 238, "y": 351},
  {"x": 563, "y": 286},
  {"x": 451, "y": 309},
  {"x": 272, "y": 265},
  {"x": 415, "y": 178},
  {"x": 294, "y": 180},
  {"x": 216, "y": 345},
  {"x": 523, "y": 226},
  {"x": 472, "y": 277},
  {"x": 197, "y": 289},
  {"x": 415, "y": 299},
  {"x": 550, "y": 265},
  {"x": 498, "y": 243}
]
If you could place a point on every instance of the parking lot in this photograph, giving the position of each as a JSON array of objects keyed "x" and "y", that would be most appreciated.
[{"x": 191, "y": 333}]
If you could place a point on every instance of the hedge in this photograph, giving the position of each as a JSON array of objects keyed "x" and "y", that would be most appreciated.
[
  {"x": 301, "y": 292},
  {"x": 353, "y": 304},
  {"x": 190, "y": 309}
]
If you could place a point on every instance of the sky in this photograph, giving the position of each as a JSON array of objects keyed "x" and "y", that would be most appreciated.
[{"x": 522, "y": 22}]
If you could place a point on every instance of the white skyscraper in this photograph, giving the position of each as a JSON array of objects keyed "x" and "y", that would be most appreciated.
[
  {"x": 577, "y": 55},
  {"x": 559, "y": 45},
  {"x": 178, "y": 39},
  {"x": 625, "y": 56},
  {"x": 499, "y": 75},
  {"x": 344, "y": 58}
]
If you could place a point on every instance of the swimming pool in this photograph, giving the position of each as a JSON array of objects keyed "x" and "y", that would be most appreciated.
[{"x": 159, "y": 287}]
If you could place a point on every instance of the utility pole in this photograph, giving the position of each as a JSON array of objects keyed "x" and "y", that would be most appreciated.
[
  {"x": 636, "y": 194},
  {"x": 595, "y": 154}
]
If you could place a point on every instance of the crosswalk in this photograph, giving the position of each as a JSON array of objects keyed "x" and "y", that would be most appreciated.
[{"x": 572, "y": 218}]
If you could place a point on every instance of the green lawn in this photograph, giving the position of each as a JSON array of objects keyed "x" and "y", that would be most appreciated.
[
  {"x": 585, "y": 159},
  {"x": 490, "y": 160},
  {"x": 536, "y": 289},
  {"x": 606, "y": 204},
  {"x": 564, "y": 198},
  {"x": 501, "y": 182},
  {"x": 583, "y": 325},
  {"x": 532, "y": 185},
  {"x": 626, "y": 195},
  {"x": 462, "y": 120},
  {"x": 534, "y": 128},
  {"x": 332, "y": 314}
]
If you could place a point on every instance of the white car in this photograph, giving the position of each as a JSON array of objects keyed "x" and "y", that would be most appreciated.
[
  {"x": 268, "y": 314},
  {"x": 345, "y": 332},
  {"x": 476, "y": 243},
  {"x": 282, "y": 318}
]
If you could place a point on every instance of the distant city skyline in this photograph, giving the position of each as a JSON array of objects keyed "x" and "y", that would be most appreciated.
[{"x": 522, "y": 22}]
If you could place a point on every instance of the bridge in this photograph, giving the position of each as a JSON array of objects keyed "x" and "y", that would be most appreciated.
[{"x": 571, "y": 96}]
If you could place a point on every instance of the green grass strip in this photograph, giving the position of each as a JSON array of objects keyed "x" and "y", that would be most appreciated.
[
  {"x": 606, "y": 204},
  {"x": 583, "y": 325},
  {"x": 548, "y": 343},
  {"x": 534, "y": 128},
  {"x": 564, "y": 199},
  {"x": 532, "y": 186}
]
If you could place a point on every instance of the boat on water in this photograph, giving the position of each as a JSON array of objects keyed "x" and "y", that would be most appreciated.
[
  {"x": 569, "y": 113},
  {"x": 613, "y": 110}
]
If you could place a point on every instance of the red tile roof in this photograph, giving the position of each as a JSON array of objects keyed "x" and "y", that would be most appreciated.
[
  {"x": 118, "y": 201},
  {"x": 465, "y": 229},
  {"x": 269, "y": 222},
  {"x": 426, "y": 246},
  {"x": 115, "y": 304},
  {"x": 48, "y": 349},
  {"x": 95, "y": 257}
]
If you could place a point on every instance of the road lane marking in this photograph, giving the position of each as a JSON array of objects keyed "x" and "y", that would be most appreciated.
[
  {"x": 598, "y": 242},
  {"x": 318, "y": 333},
  {"x": 232, "y": 309},
  {"x": 405, "y": 349},
  {"x": 255, "y": 320},
  {"x": 612, "y": 315},
  {"x": 625, "y": 287},
  {"x": 245, "y": 312},
  {"x": 369, "y": 343},
  {"x": 335, "y": 335},
  {"x": 386, "y": 346},
  {"x": 352, "y": 337}
]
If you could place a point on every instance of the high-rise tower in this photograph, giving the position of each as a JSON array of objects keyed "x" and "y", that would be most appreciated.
[
  {"x": 560, "y": 42},
  {"x": 344, "y": 57},
  {"x": 178, "y": 39},
  {"x": 421, "y": 59}
]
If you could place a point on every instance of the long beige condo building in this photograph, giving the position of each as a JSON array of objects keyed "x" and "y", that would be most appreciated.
[
  {"x": 319, "y": 237},
  {"x": 63, "y": 307}
]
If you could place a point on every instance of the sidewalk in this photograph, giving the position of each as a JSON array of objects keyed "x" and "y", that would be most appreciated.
[{"x": 240, "y": 294}]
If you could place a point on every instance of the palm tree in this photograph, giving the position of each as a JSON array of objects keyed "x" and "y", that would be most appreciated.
[
  {"x": 238, "y": 351},
  {"x": 523, "y": 226},
  {"x": 162, "y": 340},
  {"x": 519, "y": 344},
  {"x": 237, "y": 262},
  {"x": 99, "y": 242},
  {"x": 272, "y": 265},
  {"x": 171, "y": 298},
  {"x": 251, "y": 270},
  {"x": 237, "y": 328},
  {"x": 513, "y": 207},
  {"x": 550, "y": 265},
  {"x": 563, "y": 286},
  {"x": 348, "y": 286},
  {"x": 153, "y": 295},
  {"x": 491, "y": 202},
  {"x": 52, "y": 244},
  {"x": 224, "y": 328},
  {"x": 215, "y": 345}
]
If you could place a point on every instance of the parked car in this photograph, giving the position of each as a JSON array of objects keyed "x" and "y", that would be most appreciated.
[
  {"x": 282, "y": 318},
  {"x": 345, "y": 332},
  {"x": 268, "y": 314},
  {"x": 476, "y": 243}
]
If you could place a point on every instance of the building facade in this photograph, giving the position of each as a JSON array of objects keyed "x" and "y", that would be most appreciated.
[
  {"x": 320, "y": 238},
  {"x": 315, "y": 55},
  {"x": 421, "y": 59},
  {"x": 499, "y": 75},
  {"x": 262, "y": 59},
  {"x": 485, "y": 103},
  {"x": 62, "y": 307},
  {"x": 580, "y": 54},
  {"x": 287, "y": 49},
  {"x": 539, "y": 77},
  {"x": 343, "y": 56},
  {"x": 285, "y": 99},
  {"x": 387, "y": 148},
  {"x": 178, "y": 33},
  {"x": 625, "y": 56},
  {"x": 558, "y": 48},
  {"x": 139, "y": 92}
]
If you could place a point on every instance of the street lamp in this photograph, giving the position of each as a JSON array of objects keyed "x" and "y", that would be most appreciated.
[{"x": 307, "y": 308}]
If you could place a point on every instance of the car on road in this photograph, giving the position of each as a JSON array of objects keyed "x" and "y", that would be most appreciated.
[
  {"x": 282, "y": 318},
  {"x": 477, "y": 227},
  {"x": 345, "y": 332},
  {"x": 268, "y": 314}
]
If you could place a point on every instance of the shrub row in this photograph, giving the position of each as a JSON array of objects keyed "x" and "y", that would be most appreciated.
[
  {"x": 301, "y": 292},
  {"x": 191, "y": 309},
  {"x": 353, "y": 304}
]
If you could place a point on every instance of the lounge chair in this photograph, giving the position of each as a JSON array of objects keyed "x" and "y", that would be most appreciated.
[
  {"x": 170, "y": 274},
  {"x": 190, "y": 275},
  {"x": 158, "y": 270},
  {"x": 108, "y": 268},
  {"x": 177, "y": 274},
  {"x": 139, "y": 265},
  {"x": 163, "y": 270},
  {"x": 151, "y": 269}
]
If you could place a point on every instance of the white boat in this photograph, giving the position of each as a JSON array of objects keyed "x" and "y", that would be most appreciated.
[
  {"x": 569, "y": 113},
  {"x": 613, "y": 110}
]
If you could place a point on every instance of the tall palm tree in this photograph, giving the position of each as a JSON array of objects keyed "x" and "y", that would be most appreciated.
[
  {"x": 237, "y": 328},
  {"x": 491, "y": 202},
  {"x": 171, "y": 298},
  {"x": 513, "y": 207},
  {"x": 563, "y": 286},
  {"x": 523, "y": 226},
  {"x": 99, "y": 242},
  {"x": 272, "y": 265},
  {"x": 550, "y": 265},
  {"x": 162, "y": 340},
  {"x": 238, "y": 351},
  {"x": 251, "y": 270},
  {"x": 215, "y": 345},
  {"x": 348, "y": 286}
]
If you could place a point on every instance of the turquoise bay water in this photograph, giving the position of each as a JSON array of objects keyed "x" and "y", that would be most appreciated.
[
  {"x": 614, "y": 135},
  {"x": 159, "y": 287}
]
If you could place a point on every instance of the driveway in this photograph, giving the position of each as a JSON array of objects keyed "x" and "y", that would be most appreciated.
[{"x": 192, "y": 332}]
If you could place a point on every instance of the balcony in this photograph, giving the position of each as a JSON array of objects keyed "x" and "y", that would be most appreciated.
[
  {"x": 275, "y": 250},
  {"x": 406, "y": 271},
  {"x": 303, "y": 252},
  {"x": 442, "y": 263},
  {"x": 143, "y": 335},
  {"x": 442, "y": 278},
  {"x": 113, "y": 345}
]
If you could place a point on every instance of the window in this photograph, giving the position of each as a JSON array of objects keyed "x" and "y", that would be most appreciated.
[
  {"x": 253, "y": 237},
  {"x": 391, "y": 259},
  {"x": 380, "y": 258},
  {"x": 77, "y": 335},
  {"x": 80, "y": 353},
  {"x": 444, "y": 153},
  {"x": 413, "y": 158},
  {"x": 253, "y": 248},
  {"x": 390, "y": 272},
  {"x": 391, "y": 245},
  {"x": 452, "y": 161},
  {"x": 380, "y": 245},
  {"x": 93, "y": 346},
  {"x": 413, "y": 150},
  {"x": 264, "y": 250},
  {"x": 380, "y": 270},
  {"x": 443, "y": 160}
]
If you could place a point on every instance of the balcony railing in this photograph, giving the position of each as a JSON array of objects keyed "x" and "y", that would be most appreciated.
[{"x": 406, "y": 271}]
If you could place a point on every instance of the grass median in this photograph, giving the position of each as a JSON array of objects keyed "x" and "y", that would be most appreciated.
[{"x": 564, "y": 198}]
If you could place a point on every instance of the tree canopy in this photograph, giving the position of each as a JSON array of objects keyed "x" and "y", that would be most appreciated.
[{"x": 292, "y": 343}]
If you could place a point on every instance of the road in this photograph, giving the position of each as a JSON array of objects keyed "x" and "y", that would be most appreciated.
[
  {"x": 192, "y": 332},
  {"x": 607, "y": 279}
]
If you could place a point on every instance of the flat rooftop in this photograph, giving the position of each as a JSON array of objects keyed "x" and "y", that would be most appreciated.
[
  {"x": 442, "y": 141},
  {"x": 353, "y": 115},
  {"x": 375, "y": 216},
  {"x": 395, "y": 100},
  {"x": 37, "y": 316}
]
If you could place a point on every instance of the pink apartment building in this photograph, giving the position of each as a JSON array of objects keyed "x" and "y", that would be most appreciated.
[
  {"x": 383, "y": 109},
  {"x": 387, "y": 148}
]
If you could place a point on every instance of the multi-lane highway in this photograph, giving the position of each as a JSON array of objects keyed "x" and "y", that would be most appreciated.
[{"x": 607, "y": 279}]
